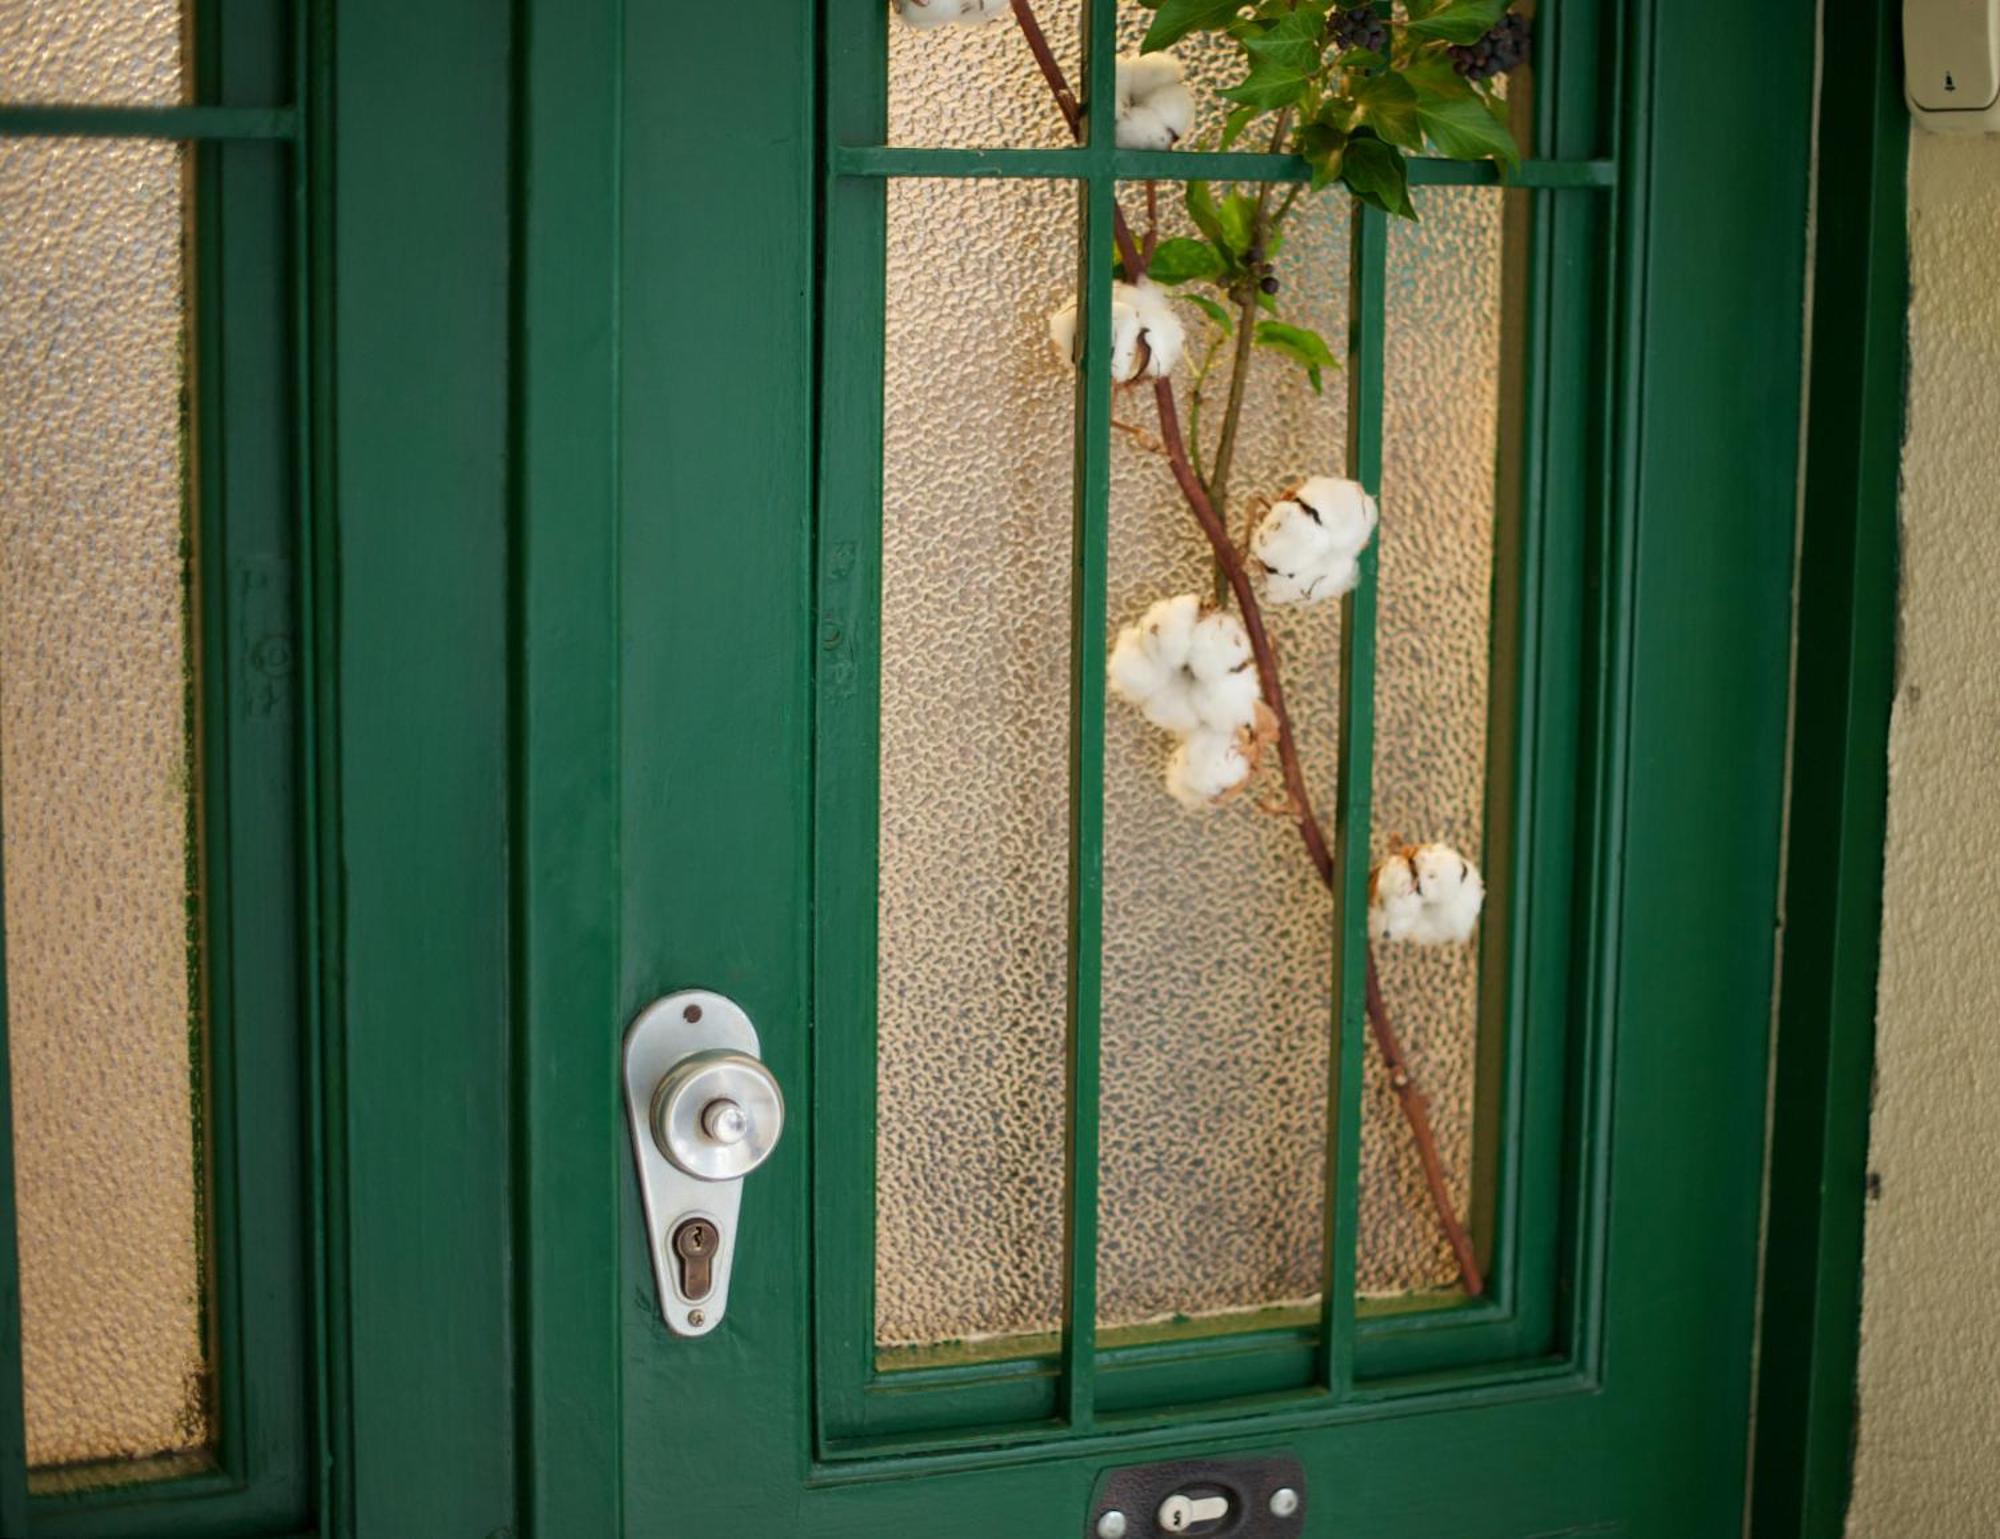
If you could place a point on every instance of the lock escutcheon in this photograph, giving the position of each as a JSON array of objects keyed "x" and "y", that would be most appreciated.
[{"x": 694, "y": 1245}]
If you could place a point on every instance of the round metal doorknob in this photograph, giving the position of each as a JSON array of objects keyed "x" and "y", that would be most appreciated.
[{"x": 718, "y": 1115}]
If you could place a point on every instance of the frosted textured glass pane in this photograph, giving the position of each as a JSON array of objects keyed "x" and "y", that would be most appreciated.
[
  {"x": 966, "y": 87},
  {"x": 130, "y": 51},
  {"x": 1217, "y": 984},
  {"x": 1441, "y": 422},
  {"x": 95, "y": 707},
  {"x": 974, "y": 783}
]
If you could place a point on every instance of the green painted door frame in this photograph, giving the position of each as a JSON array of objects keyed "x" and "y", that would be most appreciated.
[{"x": 569, "y": 625}]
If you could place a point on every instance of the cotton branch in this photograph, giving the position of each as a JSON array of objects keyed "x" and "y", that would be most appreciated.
[
  {"x": 1253, "y": 622},
  {"x": 1038, "y": 45},
  {"x": 1246, "y": 332},
  {"x": 1230, "y": 561},
  {"x": 1416, "y": 1111}
]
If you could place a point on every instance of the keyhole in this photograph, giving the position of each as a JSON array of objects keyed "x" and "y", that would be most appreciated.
[{"x": 694, "y": 1245}]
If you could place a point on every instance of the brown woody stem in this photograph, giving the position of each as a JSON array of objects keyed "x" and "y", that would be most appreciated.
[
  {"x": 1253, "y": 624},
  {"x": 1246, "y": 335},
  {"x": 1038, "y": 45},
  {"x": 1415, "y": 1109}
]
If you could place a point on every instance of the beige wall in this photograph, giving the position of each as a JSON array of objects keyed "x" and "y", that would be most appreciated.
[{"x": 1929, "y": 1453}]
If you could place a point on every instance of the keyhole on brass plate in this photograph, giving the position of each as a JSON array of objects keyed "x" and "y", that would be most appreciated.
[{"x": 694, "y": 1247}]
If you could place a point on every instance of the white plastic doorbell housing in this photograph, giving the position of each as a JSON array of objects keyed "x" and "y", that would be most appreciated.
[{"x": 1951, "y": 64}]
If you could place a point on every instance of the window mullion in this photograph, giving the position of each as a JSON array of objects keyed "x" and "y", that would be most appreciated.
[
  {"x": 1091, "y": 526},
  {"x": 1367, "y": 323}
]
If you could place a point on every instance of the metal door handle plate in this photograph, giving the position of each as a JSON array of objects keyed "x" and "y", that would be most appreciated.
[{"x": 703, "y": 1113}]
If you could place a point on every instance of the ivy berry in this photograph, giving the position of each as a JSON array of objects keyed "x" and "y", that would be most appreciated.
[
  {"x": 1504, "y": 48},
  {"x": 1358, "y": 27}
]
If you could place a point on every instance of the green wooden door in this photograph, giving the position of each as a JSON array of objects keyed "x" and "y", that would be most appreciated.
[{"x": 728, "y": 781}]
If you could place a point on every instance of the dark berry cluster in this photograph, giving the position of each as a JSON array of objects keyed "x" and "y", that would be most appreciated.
[
  {"x": 1358, "y": 28},
  {"x": 1502, "y": 49},
  {"x": 1260, "y": 269}
]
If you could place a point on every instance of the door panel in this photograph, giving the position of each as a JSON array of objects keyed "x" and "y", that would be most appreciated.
[{"x": 777, "y": 652}]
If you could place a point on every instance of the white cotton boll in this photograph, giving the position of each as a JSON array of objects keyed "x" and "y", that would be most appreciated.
[
  {"x": 1452, "y": 892},
  {"x": 1146, "y": 333},
  {"x": 1187, "y": 671},
  {"x": 1205, "y": 766},
  {"x": 1309, "y": 544},
  {"x": 1062, "y": 332},
  {"x": 1159, "y": 327},
  {"x": 1140, "y": 75},
  {"x": 1226, "y": 686},
  {"x": 1141, "y": 128},
  {"x": 924, "y": 14},
  {"x": 1393, "y": 904},
  {"x": 1155, "y": 109},
  {"x": 1428, "y": 893},
  {"x": 1149, "y": 663}
]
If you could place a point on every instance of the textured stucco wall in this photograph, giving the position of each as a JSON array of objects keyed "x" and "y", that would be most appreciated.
[{"x": 1929, "y": 1451}]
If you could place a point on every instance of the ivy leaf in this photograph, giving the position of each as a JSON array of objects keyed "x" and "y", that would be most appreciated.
[
  {"x": 1181, "y": 259},
  {"x": 1389, "y": 104},
  {"x": 1468, "y": 130},
  {"x": 1457, "y": 21},
  {"x": 1459, "y": 121},
  {"x": 1200, "y": 201},
  {"x": 1375, "y": 173},
  {"x": 1302, "y": 345},
  {"x": 1323, "y": 146},
  {"x": 1213, "y": 311},
  {"x": 1283, "y": 59},
  {"x": 1175, "y": 19},
  {"x": 1239, "y": 222},
  {"x": 1235, "y": 123}
]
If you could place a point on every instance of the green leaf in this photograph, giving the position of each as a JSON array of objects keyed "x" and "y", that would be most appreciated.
[
  {"x": 1175, "y": 19},
  {"x": 1457, "y": 21},
  {"x": 1389, "y": 105},
  {"x": 1375, "y": 173},
  {"x": 1239, "y": 222},
  {"x": 1467, "y": 129},
  {"x": 1301, "y": 344},
  {"x": 1322, "y": 145},
  {"x": 1431, "y": 75},
  {"x": 1213, "y": 311},
  {"x": 1200, "y": 201},
  {"x": 1180, "y": 259},
  {"x": 1235, "y": 123},
  {"x": 1283, "y": 58}
]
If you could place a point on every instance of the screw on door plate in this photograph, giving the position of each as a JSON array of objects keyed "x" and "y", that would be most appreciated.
[{"x": 694, "y": 1245}]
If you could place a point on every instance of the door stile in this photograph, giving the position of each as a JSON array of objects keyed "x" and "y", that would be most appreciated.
[{"x": 570, "y": 1155}]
